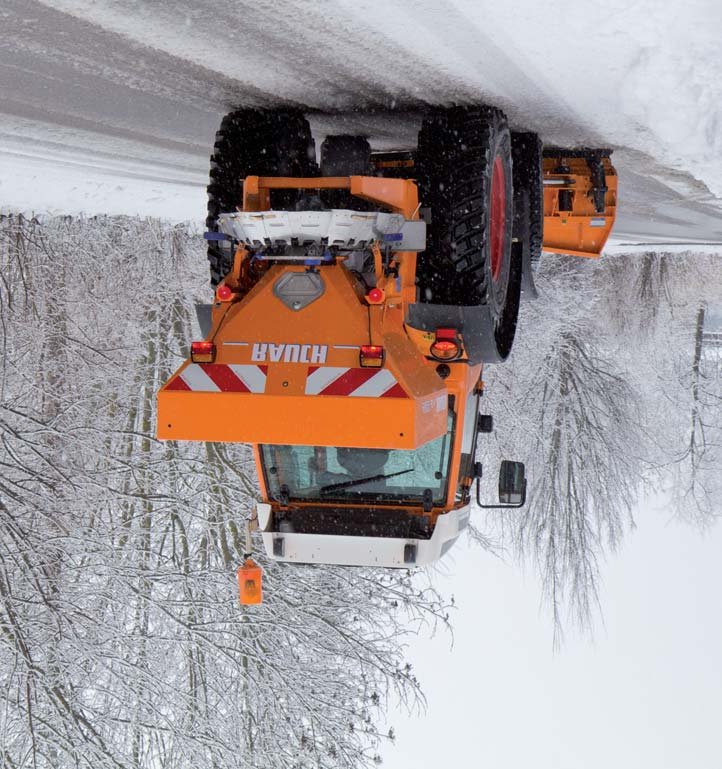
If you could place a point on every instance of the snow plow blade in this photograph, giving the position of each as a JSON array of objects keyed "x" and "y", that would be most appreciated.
[{"x": 580, "y": 200}]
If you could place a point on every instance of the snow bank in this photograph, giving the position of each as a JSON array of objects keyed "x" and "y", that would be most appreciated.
[
  {"x": 149, "y": 82},
  {"x": 645, "y": 75}
]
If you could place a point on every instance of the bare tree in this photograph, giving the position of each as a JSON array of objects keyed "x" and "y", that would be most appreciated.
[
  {"x": 696, "y": 483},
  {"x": 680, "y": 381},
  {"x": 122, "y": 643},
  {"x": 565, "y": 406},
  {"x": 610, "y": 388}
]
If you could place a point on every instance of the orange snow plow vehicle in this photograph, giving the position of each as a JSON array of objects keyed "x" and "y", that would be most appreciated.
[{"x": 355, "y": 307}]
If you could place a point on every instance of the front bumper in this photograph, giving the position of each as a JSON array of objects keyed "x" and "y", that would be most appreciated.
[{"x": 341, "y": 550}]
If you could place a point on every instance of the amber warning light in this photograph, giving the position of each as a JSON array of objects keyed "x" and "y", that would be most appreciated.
[
  {"x": 372, "y": 356},
  {"x": 203, "y": 352},
  {"x": 446, "y": 345}
]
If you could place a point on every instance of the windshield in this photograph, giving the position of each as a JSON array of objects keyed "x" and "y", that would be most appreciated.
[{"x": 325, "y": 473}]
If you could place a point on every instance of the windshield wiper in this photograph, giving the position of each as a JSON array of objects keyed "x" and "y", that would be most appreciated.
[{"x": 359, "y": 481}]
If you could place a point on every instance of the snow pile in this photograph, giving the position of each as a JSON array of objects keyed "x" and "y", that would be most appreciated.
[
  {"x": 643, "y": 75},
  {"x": 147, "y": 83},
  {"x": 53, "y": 169}
]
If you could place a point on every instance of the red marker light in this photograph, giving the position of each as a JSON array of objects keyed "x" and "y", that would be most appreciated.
[
  {"x": 375, "y": 296},
  {"x": 203, "y": 352},
  {"x": 372, "y": 356},
  {"x": 446, "y": 345},
  {"x": 223, "y": 293}
]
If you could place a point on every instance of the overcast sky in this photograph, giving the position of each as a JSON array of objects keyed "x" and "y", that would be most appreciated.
[{"x": 645, "y": 694}]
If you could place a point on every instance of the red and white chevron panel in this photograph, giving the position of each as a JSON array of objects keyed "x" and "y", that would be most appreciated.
[
  {"x": 353, "y": 382},
  {"x": 218, "y": 377}
]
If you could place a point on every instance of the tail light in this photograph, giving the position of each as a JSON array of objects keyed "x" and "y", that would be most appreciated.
[
  {"x": 446, "y": 345},
  {"x": 223, "y": 293},
  {"x": 372, "y": 356},
  {"x": 375, "y": 296},
  {"x": 203, "y": 352},
  {"x": 250, "y": 581}
]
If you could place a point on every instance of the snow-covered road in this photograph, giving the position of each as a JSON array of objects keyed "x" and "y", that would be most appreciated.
[{"x": 111, "y": 105}]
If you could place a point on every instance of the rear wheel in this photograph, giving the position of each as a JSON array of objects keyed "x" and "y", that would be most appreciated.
[
  {"x": 254, "y": 142},
  {"x": 465, "y": 175}
]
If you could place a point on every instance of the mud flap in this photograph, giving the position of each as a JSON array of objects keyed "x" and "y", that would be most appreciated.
[
  {"x": 205, "y": 320},
  {"x": 521, "y": 237},
  {"x": 528, "y": 288},
  {"x": 475, "y": 323}
]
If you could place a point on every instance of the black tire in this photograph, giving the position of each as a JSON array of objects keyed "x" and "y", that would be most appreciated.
[
  {"x": 345, "y": 155},
  {"x": 254, "y": 142},
  {"x": 464, "y": 154},
  {"x": 526, "y": 153}
]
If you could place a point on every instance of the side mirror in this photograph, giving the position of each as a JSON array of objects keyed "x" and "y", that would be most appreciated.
[
  {"x": 512, "y": 483},
  {"x": 486, "y": 423}
]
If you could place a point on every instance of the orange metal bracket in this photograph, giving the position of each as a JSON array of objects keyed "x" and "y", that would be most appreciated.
[
  {"x": 398, "y": 195},
  {"x": 581, "y": 231}
]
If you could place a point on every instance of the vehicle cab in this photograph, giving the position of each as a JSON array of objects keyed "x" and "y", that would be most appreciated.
[{"x": 372, "y": 506}]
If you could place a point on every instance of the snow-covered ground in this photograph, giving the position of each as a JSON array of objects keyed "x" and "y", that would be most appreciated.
[
  {"x": 647, "y": 693},
  {"x": 111, "y": 105}
]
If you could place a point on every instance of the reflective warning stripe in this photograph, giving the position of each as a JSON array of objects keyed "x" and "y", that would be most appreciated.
[
  {"x": 320, "y": 380},
  {"x": 217, "y": 377},
  {"x": 376, "y": 386},
  {"x": 353, "y": 382},
  {"x": 254, "y": 377}
]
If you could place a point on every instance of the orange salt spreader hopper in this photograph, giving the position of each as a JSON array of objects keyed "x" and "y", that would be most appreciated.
[{"x": 299, "y": 354}]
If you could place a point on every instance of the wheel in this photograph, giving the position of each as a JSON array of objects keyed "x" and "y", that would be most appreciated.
[
  {"x": 254, "y": 142},
  {"x": 526, "y": 154},
  {"x": 345, "y": 155},
  {"x": 465, "y": 175}
]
